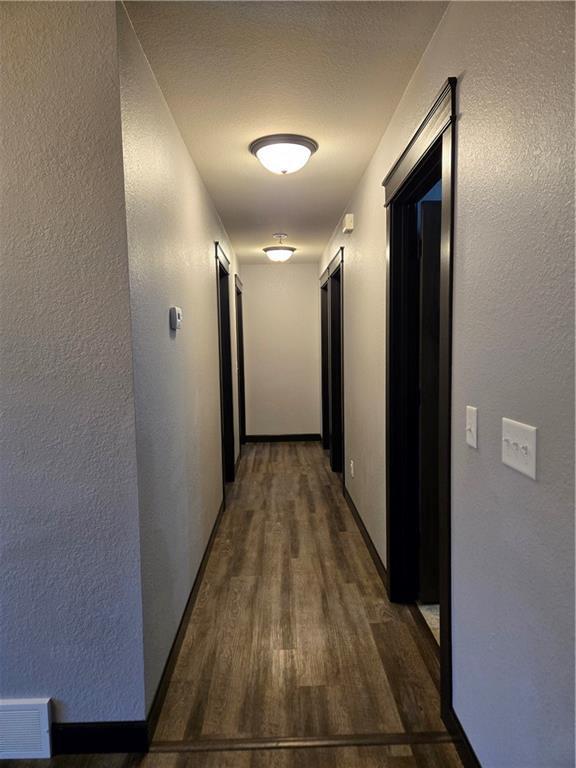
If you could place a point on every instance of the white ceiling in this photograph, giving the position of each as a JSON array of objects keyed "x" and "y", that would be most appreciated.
[{"x": 234, "y": 71}]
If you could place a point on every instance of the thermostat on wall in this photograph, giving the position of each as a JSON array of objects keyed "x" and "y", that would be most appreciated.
[
  {"x": 175, "y": 318},
  {"x": 348, "y": 223}
]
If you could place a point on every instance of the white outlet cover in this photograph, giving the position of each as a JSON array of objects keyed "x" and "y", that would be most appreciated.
[
  {"x": 472, "y": 426},
  {"x": 519, "y": 447}
]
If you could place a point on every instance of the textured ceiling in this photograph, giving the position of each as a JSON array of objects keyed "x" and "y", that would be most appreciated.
[{"x": 233, "y": 71}]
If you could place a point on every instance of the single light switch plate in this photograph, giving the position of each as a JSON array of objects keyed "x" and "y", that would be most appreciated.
[
  {"x": 351, "y": 467},
  {"x": 519, "y": 447},
  {"x": 472, "y": 426},
  {"x": 175, "y": 318}
]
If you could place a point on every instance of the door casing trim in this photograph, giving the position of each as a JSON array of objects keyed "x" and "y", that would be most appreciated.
[{"x": 437, "y": 129}]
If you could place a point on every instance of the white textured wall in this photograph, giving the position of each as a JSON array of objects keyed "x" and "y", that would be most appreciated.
[
  {"x": 172, "y": 226},
  {"x": 281, "y": 305},
  {"x": 513, "y": 538},
  {"x": 70, "y": 600}
]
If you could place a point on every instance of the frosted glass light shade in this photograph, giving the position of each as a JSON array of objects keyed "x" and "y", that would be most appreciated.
[
  {"x": 284, "y": 153},
  {"x": 279, "y": 252},
  {"x": 283, "y": 158}
]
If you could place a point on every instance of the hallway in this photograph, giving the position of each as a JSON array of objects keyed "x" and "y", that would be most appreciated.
[
  {"x": 287, "y": 447},
  {"x": 292, "y": 635}
]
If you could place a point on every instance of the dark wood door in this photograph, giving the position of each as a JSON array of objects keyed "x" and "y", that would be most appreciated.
[
  {"x": 430, "y": 227},
  {"x": 335, "y": 371},
  {"x": 324, "y": 330},
  {"x": 225, "y": 348},
  {"x": 240, "y": 355}
]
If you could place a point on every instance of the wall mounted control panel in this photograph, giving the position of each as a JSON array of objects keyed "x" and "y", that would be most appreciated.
[
  {"x": 519, "y": 447},
  {"x": 175, "y": 318}
]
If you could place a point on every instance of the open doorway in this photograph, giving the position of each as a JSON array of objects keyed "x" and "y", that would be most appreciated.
[
  {"x": 419, "y": 199},
  {"x": 240, "y": 359},
  {"x": 225, "y": 351},
  {"x": 428, "y": 224},
  {"x": 325, "y": 354},
  {"x": 331, "y": 315},
  {"x": 335, "y": 373},
  {"x": 416, "y": 213}
]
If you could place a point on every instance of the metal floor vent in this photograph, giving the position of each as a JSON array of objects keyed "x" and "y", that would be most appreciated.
[{"x": 24, "y": 728}]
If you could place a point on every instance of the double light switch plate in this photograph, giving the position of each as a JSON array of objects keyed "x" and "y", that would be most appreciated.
[{"x": 519, "y": 447}]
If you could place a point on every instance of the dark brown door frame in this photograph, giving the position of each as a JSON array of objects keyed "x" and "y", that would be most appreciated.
[
  {"x": 240, "y": 357},
  {"x": 435, "y": 134},
  {"x": 225, "y": 357}
]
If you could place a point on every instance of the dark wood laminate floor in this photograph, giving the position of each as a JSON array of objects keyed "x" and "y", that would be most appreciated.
[
  {"x": 292, "y": 635},
  {"x": 422, "y": 756}
]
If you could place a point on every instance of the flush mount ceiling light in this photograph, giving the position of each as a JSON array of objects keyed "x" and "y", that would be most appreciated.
[
  {"x": 279, "y": 252},
  {"x": 284, "y": 152}
]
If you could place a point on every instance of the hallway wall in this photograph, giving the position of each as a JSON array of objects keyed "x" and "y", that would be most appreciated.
[
  {"x": 282, "y": 348},
  {"x": 172, "y": 226},
  {"x": 70, "y": 602},
  {"x": 513, "y": 538}
]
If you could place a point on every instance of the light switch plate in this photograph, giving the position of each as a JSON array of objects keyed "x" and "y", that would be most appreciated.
[
  {"x": 519, "y": 447},
  {"x": 175, "y": 318},
  {"x": 472, "y": 426}
]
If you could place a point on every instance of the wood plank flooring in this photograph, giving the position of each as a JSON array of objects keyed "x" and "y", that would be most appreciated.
[
  {"x": 422, "y": 756},
  {"x": 292, "y": 637},
  {"x": 292, "y": 634}
]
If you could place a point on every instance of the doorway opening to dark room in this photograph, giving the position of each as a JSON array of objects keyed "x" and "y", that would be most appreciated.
[
  {"x": 240, "y": 359},
  {"x": 324, "y": 317},
  {"x": 332, "y": 338},
  {"x": 225, "y": 350},
  {"x": 419, "y": 340}
]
